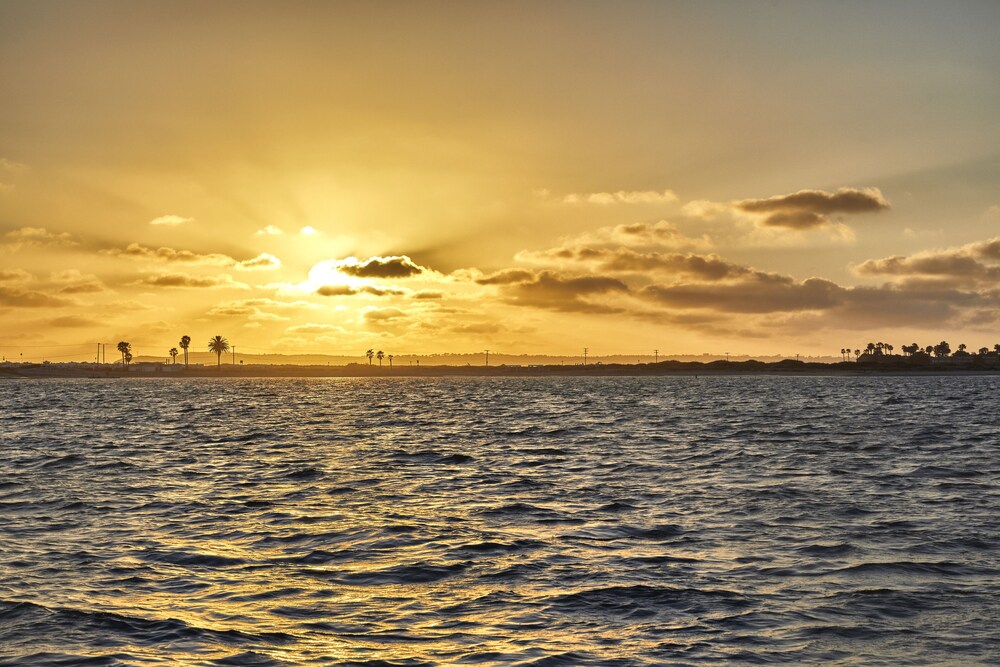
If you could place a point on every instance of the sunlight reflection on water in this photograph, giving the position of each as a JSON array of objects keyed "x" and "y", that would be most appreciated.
[{"x": 631, "y": 521}]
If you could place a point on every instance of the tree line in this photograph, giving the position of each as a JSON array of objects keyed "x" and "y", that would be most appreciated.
[{"x": 940, "y": 351}]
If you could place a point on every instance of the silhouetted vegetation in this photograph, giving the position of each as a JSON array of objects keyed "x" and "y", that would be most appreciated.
[
  {"x": 218, "y": 344},
  {"x": 126, "y": 349},
  {"x": 185, "y": 344}
]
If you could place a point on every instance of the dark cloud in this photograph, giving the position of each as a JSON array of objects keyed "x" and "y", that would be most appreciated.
[
  {"x": 261, "y": 261},
  {"x": 624, "y": 260},
  {"x": 507, "y": 277},
  {"x": 974, "y": 263},
  {"x": 384, "y": 314},
  {"x": 13, "y": 297},
  {"x": 569, "y": 294},
  {"x": 808, "y": 209},
  {"x": 14, "y": 275},
  {"x": 184, "y": 280},
  {"x": 763, "y": 294},
  {"x": 83, "y": 287},
  {"x": 336, "y": 290},
  {"x": 345, "y": 290},
  {"x": 71, "y": 322},
  {"x": 137, "y": 251},
  {"x": 380, "y": 267},
  {"x": 428, "y": 294}
]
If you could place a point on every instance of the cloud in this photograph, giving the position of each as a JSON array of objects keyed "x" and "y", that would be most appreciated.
[
  {"x": 507, "y": 277},
  {"x": 970, "y": 264},
  {"x": 621, "y": 197},
  {"x": 137, "y": 251},
  {"x": 270, "y": 230},
  {"x": 10, "y": 165},
  {"x": 72, "y": 281},
  {"x": 660, "y": 234},
  {"x": 427, "y": 294},
  {"x": 383, "y": 314},
  {"x": 764, "y": 293},
  {"x": 14, "y": 275},
  {"x": 623, "y": 260},
  {"x": 262, "y": 261},
  {"x": 704, "y": 209},
  {"x": 36, "y": 236},
  {"x": 170, "y": 220},
  {"x": 552, "y": 291},
  {"x": 395, "y": 266},
  {"x": 311, "y": 329},
  {"x": 71, "y": 321},
  {"x": 808, "y": 209},
  {"x": 308, "y": 230},
  {"x": 15, "y": 297},
  {"x": 183, "y": 280},
  {"x": 336, "y": 290}
]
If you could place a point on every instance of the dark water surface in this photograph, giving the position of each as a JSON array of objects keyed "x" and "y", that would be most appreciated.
[{"x": 585, "y": 521}]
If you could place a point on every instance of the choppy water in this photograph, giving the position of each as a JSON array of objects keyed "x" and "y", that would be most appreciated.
[{"x": 588, "y": 521}]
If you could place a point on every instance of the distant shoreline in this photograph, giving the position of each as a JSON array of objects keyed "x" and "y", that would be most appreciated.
[{"x": 787, "y": 367}]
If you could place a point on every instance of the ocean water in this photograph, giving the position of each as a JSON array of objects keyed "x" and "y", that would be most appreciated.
[{"x": 498, "y": 521}]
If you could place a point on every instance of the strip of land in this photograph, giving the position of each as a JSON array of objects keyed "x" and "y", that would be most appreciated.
[{"x": 898, "y": 366}]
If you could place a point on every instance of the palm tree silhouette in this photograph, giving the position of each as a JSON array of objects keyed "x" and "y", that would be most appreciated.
[
  {"x": 173, "y": 353},
  {"x": 125, "y": 348},
  {"x": 390, "y": 361},
  {"x": 219, "y": 345},
  {"x": 128, "y": 358},
  {"x": 380, "y": 355},
  {"x": 370, "y": 354},
  {"x": 185, "y": 344}
]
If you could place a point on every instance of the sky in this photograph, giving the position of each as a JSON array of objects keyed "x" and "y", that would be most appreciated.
[{"x": 529, "y": 177}]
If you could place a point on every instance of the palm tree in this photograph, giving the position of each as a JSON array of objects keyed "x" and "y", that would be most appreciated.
[
  {"x": 381, "y": 355},
  {"x": 185, "y": 344},
  {"x": 370, "y": 354},
  {"x": 983, "y": 351},
  {"x": 173, "y": 353},
  {"x": 842, "y": 353},
  {"x": 219, "y": 345},
  {"x": 128, "y": 358},
  {"x": 857, "y": 353},
  {"x": 962, "y": 347},
  {"x": 125, "y": 348},
  {"x": 390, "y": 361}
]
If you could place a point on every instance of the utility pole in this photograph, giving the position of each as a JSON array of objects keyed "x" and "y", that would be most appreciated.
[
  {"x": 727, "y": 357},
  {"x": 487, "y": 358},
  {"x": 234, "y": 355},
  {"x": 585, "y": 350},
  {"x": 656, "y": 356}
]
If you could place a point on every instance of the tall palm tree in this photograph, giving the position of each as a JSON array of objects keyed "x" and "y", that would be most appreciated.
[
  {"x": 219, "y": 345},
  {"x": 173, "y": 353},
  {"x": 185, "y": 344},
  {"x": 390, "y": 361},
  {"x": 125, "y": 348},
  {"x": 370, "y": 354},
  {"x": 381, "y": 355}
]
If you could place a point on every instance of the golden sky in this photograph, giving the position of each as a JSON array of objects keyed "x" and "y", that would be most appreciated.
[{"x": 754, "y": 177}]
